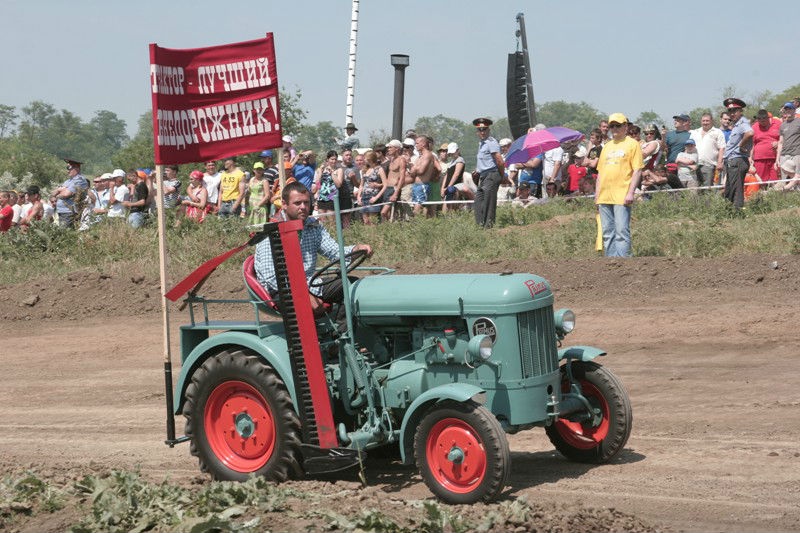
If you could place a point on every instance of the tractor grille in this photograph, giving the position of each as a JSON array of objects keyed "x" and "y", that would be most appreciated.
[{"x": 537, "y": 342}]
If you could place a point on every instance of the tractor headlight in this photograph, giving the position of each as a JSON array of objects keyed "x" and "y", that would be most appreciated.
[
  {"x": 565, "y": 320},
  {"x": 480, "y": 348}
]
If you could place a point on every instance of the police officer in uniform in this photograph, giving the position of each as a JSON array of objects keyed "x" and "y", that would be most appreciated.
[
  {"x": 74, "y": 188},
  {"x": 737, "y": 152},
  {"x": 488, "y": 174}
]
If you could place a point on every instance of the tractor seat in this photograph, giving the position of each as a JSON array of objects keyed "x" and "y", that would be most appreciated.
[{"x": 257, "y": 291}]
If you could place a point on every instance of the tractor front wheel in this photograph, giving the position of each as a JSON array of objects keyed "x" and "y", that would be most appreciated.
[
  {"x": 240, "y": 419},
  {"x": 462, "y": 452},
  {"x": 602, "y": 436}
]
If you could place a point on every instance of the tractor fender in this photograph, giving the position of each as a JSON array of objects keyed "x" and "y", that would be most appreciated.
[
  {"x": 271, "y": 349},
  {"x": 579, "y": 353},
  {"x": 460, "y": 392}
]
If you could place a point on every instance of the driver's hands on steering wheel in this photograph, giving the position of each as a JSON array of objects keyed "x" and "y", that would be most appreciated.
[{"x": 366, "y": 247}]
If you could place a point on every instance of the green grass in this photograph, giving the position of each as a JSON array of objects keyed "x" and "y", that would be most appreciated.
[{"x": 666, "y": 225}]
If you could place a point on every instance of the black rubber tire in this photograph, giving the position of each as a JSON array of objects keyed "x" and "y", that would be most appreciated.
[
  {"x": 620, "y": 414},
  {"x": 241, "y": 366},
  {"x": 486, "y": 429}
]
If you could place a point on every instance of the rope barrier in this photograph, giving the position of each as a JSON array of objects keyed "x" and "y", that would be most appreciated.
[{"x": 556, "y": 198}]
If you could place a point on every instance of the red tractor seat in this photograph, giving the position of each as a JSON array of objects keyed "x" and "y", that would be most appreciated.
[{"x": 257, "y": 291}]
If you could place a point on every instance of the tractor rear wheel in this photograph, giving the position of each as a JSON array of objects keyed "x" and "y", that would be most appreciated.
[
  {"x": 462, "y": 452},
  {"x": 598, "y": 440},
  {"x": 240, "y": 419}
]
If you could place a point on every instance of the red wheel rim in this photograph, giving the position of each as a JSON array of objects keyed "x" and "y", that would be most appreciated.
[
  {"x": 449, "y": 437},
  {"x": 240, "y": 427},
  {"x": 582, "y": 435}
]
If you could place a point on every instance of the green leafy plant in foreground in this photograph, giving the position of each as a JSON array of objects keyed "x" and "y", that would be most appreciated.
[
  {"x": 23, "y": 495},
  {"x": 122, "y": 501}
]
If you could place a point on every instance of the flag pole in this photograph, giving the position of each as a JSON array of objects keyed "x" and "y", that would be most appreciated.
[{"x": 162, "y": 266}]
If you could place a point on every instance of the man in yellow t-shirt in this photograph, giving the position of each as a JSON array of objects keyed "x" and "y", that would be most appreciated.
[
  {"x": 618, "y": 171},
  {"x": 231, "y": 190}
]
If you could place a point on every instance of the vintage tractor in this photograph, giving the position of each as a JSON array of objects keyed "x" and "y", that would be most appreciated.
[{"x": 437, "y": 367}]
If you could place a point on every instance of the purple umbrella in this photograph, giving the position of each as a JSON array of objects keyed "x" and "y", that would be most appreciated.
[{"x": 538, "y": 142}]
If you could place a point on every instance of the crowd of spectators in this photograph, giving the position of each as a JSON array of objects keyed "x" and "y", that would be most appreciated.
[{"x": 415, "y": 176}]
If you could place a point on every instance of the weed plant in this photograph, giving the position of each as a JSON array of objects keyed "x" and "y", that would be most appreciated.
[{"x": 679, "y": 225}]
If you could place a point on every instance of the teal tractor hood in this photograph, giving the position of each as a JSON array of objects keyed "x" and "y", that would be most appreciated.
[{"x": 449, "y": 294}]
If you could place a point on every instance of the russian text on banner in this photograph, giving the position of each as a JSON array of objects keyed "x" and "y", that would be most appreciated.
[{"x": 216, "y": 102}]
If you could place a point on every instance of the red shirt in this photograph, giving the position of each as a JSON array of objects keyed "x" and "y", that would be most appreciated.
[
  {"x": 763, "y": 139},
  {"x": 8, "y": 216},
  {"x": 576, "y": 173}
]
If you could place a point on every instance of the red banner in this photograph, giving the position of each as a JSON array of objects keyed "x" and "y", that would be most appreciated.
[{"x": 212, "y": 103}]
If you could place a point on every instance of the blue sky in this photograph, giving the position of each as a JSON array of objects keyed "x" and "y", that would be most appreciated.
[{"x": 87, "y": 55}]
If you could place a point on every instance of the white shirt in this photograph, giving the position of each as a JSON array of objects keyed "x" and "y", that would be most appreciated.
[
  {"x": 211, "y": 182},
  {"x": 16, "y": 208},
  {"x": 708, "y": 144},
  {"x": 48, "y": 211},
  {"x": 550, "y": 159},
  {"x": 121, "y": 194},
  {"x": 23, "y": 213}
]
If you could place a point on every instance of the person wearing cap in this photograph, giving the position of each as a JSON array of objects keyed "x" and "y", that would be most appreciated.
[
  {"x": 675, "y": 141},
  {"x": 737, "y": 152},
  {"x": 258, "y": 195},
  {"x": 788, "y": 148},
  {"x": 523, "y": 196},
  {"x": 710, "y": 142},
  {"x": 766, "y": 135},
  {"x": 488, "y": 174},
  {"x": 618, "y": 172},
  {"x": 270, "y": 168},
  {"x": 304, "y": 166},
  {"x": 138, "y": 200},
  {"x": 117, "y": 194},
  {"x": 74, "y": 188},
  {"x": 350, "y": 141},
  {"x": 288, "y": 147},
  {"x": 687, "y": 164},
  {"x": 576, "y": 171},
  {"x": 454, "y": 186},
  {"x": 395, "y": 178},
  {"x": 505, "y": 191}
]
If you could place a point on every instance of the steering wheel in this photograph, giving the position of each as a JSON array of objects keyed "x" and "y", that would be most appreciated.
[{"x": 325, "y": 276}]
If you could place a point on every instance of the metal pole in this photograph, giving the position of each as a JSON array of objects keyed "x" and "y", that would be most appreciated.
[
  {"x": 399, "y": 62},
  {"x": 351, "y": 69},
  {"x": 528, "y": 74}
]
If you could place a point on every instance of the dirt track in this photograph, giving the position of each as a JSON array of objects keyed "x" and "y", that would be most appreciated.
[{"x": 711, "y": 371}]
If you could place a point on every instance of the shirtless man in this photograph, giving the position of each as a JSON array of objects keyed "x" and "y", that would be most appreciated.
[
  {"x": 396, "y": 177},
  {"x": 424, "y": 170}
]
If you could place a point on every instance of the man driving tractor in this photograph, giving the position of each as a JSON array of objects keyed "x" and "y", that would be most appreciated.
[{"x": 314, "y": 241}]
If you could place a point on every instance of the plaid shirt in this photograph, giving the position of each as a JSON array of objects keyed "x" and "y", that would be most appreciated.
[{"x": 314, "y": 240}]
